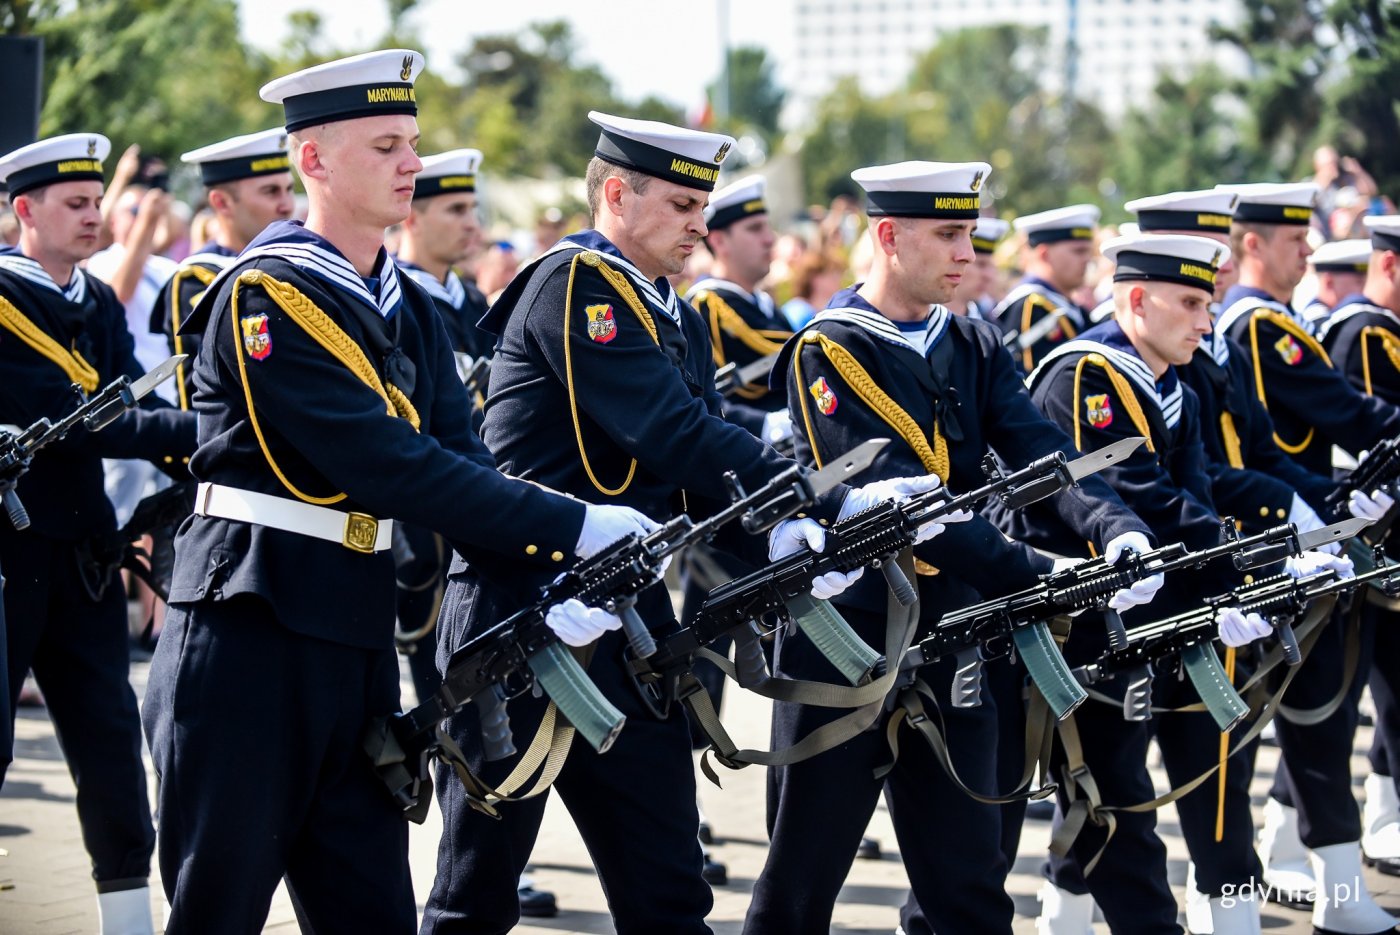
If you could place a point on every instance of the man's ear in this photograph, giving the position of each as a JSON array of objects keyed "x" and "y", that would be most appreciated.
[{"x": 613, "y": 187}]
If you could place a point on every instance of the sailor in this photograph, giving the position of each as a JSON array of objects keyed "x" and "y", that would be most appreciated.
[
  {"x": 1036, "y": 315},
  {"x": 248, "y": 181},
  {"x": 1339, "y": 270},
  {"x": 330, "y": 409},
  {"x": 65, "y": 608},
  {"x": 975, "y": 297}
]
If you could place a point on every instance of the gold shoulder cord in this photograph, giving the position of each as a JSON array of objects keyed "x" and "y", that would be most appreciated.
[
  {"x": 1027, "y": 307},
  {"x": 1390, "y": 342},
  {"x": 330, "y": 336},
  {"x": 723, "y": 318},
  {"x": 205, "y": 277},
  {"x": 70, "y": 362},
  {"x": 934, "y": 458},
  {"x": 1234, "y": 453},
  {"x": 629, "y": 295},
  {"x": 1288, "y": 326},
  {"x": 1125, "y": 392}
]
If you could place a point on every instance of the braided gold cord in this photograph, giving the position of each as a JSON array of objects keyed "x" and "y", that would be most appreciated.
[{"x": 70, "y": 362}]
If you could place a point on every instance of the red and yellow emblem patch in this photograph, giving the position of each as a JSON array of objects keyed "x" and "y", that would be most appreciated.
[
  {"x": 602, "y": 327},
  {"x": 1100, "y": 410},
  {"x": 257, "y": 340},
  {"x": 824, "y": 395},
  {"x": 1290, "y": 350}
]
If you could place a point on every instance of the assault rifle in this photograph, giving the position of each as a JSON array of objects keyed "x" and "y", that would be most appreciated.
[
  {"x": 992, "y": 628},
  {"x": 93, "y": 413},
  {"x": 1379, "y": 469},
  {"x": 731, "y": 378},
  {"x": 1185, "y": 640},
  {"x": 874, "y": 537},
  {"x": 513, "y": 657}
]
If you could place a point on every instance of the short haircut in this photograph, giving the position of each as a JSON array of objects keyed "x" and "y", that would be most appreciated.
[
  {"x": 600, "y": 170},
  {"x": 1239, "y": 228}
]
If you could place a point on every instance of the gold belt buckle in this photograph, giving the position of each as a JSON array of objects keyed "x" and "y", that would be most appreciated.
[{"x": 361, "y": 530}]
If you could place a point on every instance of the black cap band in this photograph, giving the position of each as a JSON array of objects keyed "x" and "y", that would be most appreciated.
[
  {"x": 655, "y": 161},
  {"x": 361, "y": 100},
  {"x": 1163, "y": 220},
  {"x": 444, "y": 185},
  {"x": 1254, "y": 212},
  {"x": 1136, "y": 267},
  {"x": 1057, "y": 234},
  {"x": 1381, "y": 240},
  {"x": 243, "y": 167},
  {"x": 1340, "y": 267},
  {"x": 731, "y": 214},
  {"x": 983, "y": 245},
  {"x": 958, "y": 206},
  {"x": 51, "y": 173}
]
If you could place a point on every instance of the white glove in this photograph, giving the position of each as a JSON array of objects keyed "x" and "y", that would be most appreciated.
[
  {"x": 604, "y": 524},
  {"x": 577, "y": 624},
  {"x": 1311, "y": 562},
  {"x": 1140, "y": 592},
  {"x": 1237, "y": 629},
  {"x": 1373, "y": 507},
  {"x": 1305, "y": 519},
  {"x": 900, "y": 488},
  {"x": 793, "y": 534},
  {"x": 777, "y": 426}
]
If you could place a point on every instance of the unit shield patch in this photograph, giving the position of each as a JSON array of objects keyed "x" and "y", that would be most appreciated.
[
  {"x": 257, "y": 340},
  {"x": 1289, "y": 350},
  {"x": 1100, "y": 410},
  {"x": 824, "y": 395},
  {"x": 602, "y": 327}
]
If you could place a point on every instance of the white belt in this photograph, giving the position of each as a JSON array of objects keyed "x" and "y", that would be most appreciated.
[{"x": 356, "y": 531}]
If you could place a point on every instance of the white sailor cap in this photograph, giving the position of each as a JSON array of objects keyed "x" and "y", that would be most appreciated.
[
  {"x": 1178, "y": 258},
  {"x": 736, "y": 201},
  {"x": 1075, "y": 222},
  {"x": 1342, "y": 256},
  {"x": 988, "y": 233},
  {"x": 1274, "y": 202},
  {"x": 449, "y": 173},
  {"x": 365, "y": 85},
  {"x": 1385, "y": 231},
  {"x": 73, "y": 157},
  {"x": 1209, "y": 211},
  {"x": 920, "y": 189},
  {"x": 686, "y": 157},
  {"x": 242, "y": 157}
]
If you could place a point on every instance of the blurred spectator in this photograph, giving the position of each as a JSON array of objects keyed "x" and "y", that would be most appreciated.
[
  {"x": 1348, "y": 193},
  {"x": 549, "y": 228},
  {"x": 173, "y": 240},
  {"x": 204, "y": 228},
  {"x": 815, "y": 279},
  {"x": 497, "y": 268},
  {"x": 9, "y": 224}
]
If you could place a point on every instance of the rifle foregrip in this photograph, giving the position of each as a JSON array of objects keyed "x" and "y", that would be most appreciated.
[
  {"x": 899, "y": 583},
  {"x": 19, "y": 516},
  {"x": 576, "y": 697},
  {"x": 1047, "y": 668},
  {"x": 1288, "y": 642},
  {"x": 638, "y": 636},
  {"x": 1213, "y": 685},
  {"x": 967, "y": 679},
  {"x": 833, "y": 636},
  {"x": 750, "y": 668},
  {"x": 495, "y": 724}
]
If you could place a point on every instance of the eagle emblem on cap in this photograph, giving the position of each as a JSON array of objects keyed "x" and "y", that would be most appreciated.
[
  {"x": 282, "y": 141},
  {"x": 92, "y": 147},
  {"x": 407, "y": 70},
  {"x": 977, "y": 180},
  {"x": 723, "y": 151}
]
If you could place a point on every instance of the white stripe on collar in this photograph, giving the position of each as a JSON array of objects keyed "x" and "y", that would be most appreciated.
[
  {"x": 336, "y": 270},
  {"x": 884, "y": 329},
  {"x": 761, "y": 299},
  {"x": 1243, "y": 306},
  {"x": 452, "y": 292},
  {"x": 1022, "y": 290},
  {"x": 1351, "y": 310},
  {"x": 218, "y": 260},
  {"x": 670, "y": 305},
  {"x": 1132, "y": 366},
  {"x": 25, "y": 268}
]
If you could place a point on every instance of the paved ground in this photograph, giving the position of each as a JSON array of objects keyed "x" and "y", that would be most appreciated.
[{"x": 47, "y": 888}]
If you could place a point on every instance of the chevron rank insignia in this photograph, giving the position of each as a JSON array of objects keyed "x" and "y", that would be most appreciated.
[
  {"x": 1100, "y": 410},
  {"x": 257, "y": 340},
  {"x": 602, "y": 327},
  {"x": 1290, "y": 350},
  {"x": 824, "y": 395}
]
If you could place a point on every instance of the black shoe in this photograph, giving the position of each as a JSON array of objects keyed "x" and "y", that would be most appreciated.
[
  {"x": 706, "y": 835},
  {"x": 537, "y": 904},
  {"x": 1390, "y": 866},
  {"x": 869, "y": 849},
  {"x": 1040, "y": 810},
  {"x": 714, "y": 872}
]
